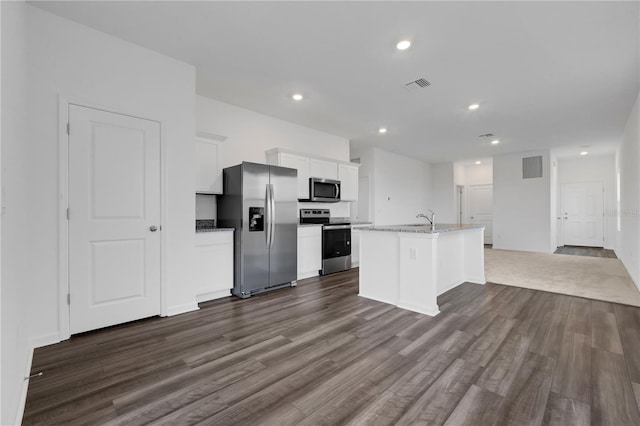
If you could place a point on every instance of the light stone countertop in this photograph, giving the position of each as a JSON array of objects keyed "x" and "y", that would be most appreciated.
[
  {"x": 203, "y": 230},
  {"x": 422, "y": 228}
]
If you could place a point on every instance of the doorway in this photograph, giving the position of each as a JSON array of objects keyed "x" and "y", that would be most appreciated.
[
  {"x": 583, "y": 214},
  {"x": 481, "y": 209},
  {"x": 114, "y": 213}
]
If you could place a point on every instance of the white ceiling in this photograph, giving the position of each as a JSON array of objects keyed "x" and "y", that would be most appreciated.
[{"x": 546, "y": 74}]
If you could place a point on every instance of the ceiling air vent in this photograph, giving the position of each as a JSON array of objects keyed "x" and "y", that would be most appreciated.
[
  {"x": 420, "y": 83},
  {"x": 486, "y": 135}
]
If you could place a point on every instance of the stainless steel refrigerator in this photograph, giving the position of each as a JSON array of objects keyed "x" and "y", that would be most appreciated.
[{"x": 260, "y": 202}]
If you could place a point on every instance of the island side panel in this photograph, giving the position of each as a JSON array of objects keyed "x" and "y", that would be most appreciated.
[
  {"x": 474, "y": 255},
  {"x": 379, "y": 266},
  {"x": 451, "y": 260},
  {"x": 418, "y": 273}
]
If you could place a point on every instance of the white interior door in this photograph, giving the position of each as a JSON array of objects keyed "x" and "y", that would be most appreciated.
[
  {"x": 114, "y": 218},
  {"x": 481, "y": 209},
  {"x": 583, "y": 212}
]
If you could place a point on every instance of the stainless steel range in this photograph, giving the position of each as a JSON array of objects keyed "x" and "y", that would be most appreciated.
[{"x": 336, "y": 239}]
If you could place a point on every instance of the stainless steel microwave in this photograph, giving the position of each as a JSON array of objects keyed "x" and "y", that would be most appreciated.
[{"x": 324, "y": 190}]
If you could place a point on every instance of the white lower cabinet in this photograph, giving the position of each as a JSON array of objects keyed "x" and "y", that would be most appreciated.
[
  {"x": 214, "y": 265},
  {"x": 309, "y": 251}
]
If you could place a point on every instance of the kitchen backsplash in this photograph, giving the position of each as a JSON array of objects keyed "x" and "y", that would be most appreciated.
[{"x": 205, "y": 206}]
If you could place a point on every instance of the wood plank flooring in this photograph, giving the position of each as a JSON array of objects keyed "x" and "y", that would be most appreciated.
[{"x": 320, "y": 355}]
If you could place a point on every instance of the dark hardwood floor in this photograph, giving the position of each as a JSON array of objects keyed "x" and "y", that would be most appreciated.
[
  {"x": 586, "y": 251},
  {"x": 320, "y": 355}
]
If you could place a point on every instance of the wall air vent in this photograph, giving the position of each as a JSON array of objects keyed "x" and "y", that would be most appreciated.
[
  {"x": 420, "y": 83},
  {"x": 532, "y": 167}
]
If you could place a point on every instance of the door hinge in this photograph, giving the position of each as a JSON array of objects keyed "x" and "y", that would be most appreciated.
[
  {"x": 68, "y": 298},
  {"x": 68, "y": 128},
  {"x": 68, "y": 213}
]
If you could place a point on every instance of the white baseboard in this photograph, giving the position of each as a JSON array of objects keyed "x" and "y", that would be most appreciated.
[
  {"x": 421, "y": 309},
  {"x": 25, "y": 387},
  {"x": 366, "y": 296},
  {"x": 477, "y": 280},
  {"x": 637, "y": 284},
  {"x": 181, "y": 309},
  {"x": 45, "y": 340},
  {"x": 307, "y": 275},
  {"x": 449, "y": 287},
  {"x": 205, "y": 297}
]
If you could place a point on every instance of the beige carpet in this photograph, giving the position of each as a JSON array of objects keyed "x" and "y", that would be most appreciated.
[{"x": 590, "y": 277}]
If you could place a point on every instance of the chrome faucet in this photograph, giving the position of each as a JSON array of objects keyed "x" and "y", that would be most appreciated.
[{"x": 432, "y": 219}]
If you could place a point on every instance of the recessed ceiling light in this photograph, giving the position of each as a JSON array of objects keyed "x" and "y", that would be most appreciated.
[
  {"x": 478, "y": 162},
  {"x": 297, "y": 97},
  {"x": 382, "y": 130},
  {"x": 584, "y": 153},
  {"x": 495, "y": 142},
  {"x": 403, "y": 45},
  {"x": 474, "y": 106}
]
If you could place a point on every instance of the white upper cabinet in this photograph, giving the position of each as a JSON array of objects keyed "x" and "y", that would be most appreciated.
[
  {"x": 298, "y": 162},
  {"x": 323, "y": 169},
  {"x": 301, "y": 164},
  {"x": 208, "y": 172},
  {"x": 348, "y": 177},
  {"x": 318, "y": 167}
]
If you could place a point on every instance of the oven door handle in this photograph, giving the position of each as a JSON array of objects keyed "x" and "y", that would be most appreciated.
[{"x": 332, "y": 227}]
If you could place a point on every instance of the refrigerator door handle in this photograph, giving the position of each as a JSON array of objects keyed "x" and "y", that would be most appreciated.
[
  {"x": 267, "y": 215},
  {"x": 272, "y": 215}
]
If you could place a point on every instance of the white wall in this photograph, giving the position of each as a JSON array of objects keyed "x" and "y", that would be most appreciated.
[
  {"x": 591, "y": 169},
  {"x": 443, "y": 193},
  {"x": 628, "y": 160},
  {"x": 249, "y": 134},
  {"x": 15, "y": 224},
  {"x": 75, "y": 61},
  {"x": 478, "y": 174},
  {"x": 521, "y": 207},
  {"x": 399, "y": 186},
  {"x": 553, "y": 202}
]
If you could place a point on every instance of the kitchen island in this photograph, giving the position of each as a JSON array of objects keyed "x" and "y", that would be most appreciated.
[{"x": 410, "y": 265}]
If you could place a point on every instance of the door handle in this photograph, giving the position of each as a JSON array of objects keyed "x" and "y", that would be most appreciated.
[
  {"x": 272, "y": 219},
  {"x": 267, "y": 215},
  {"x": 153, "y": 228}
]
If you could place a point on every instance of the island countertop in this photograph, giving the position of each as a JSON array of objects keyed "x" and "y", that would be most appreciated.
[{"x": 422, "y": 228}]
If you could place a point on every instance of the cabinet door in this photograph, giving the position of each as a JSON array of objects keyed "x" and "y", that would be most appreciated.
[
  {"x": 302, "y": 165},
  {"x": 214, "y": 265},
  {"x": 323, "y": 169},
  {"x": 348, "y": 177},
  {"x": 309, "y": 251},
  {"x": 208, "y": 173}
]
